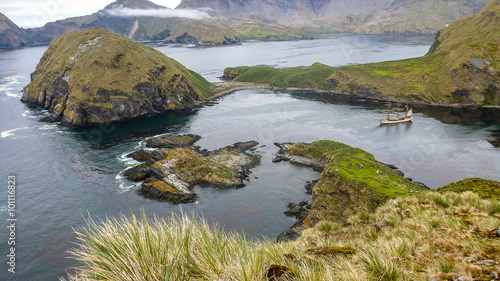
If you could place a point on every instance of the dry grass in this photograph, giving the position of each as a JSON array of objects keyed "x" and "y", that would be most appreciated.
[{"x": 427, "y": 235}]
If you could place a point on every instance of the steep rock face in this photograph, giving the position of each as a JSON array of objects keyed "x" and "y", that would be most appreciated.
[
  {"x": 92, "y": 77},
  {"x": 472, "y": 46},
  {"x": 286, "y": 8},
  {"x": 11, "y": 35}
]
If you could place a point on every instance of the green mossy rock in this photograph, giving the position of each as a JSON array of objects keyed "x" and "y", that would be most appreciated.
[
  {"x": 92, "y": 77},
  {"x": 331, "y": 251},
  {"x": 352, "y": 181}
]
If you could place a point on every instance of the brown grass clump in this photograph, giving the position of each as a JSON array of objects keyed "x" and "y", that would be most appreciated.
[{"x": 420, "y": 237}]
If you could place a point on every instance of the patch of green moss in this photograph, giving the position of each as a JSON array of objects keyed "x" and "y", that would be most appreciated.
[
  {"x": 486, "y": 189},
  {"x": 331, "y": 251},
  {"x": 195, "y": 166},
  {"x": 298, "y": 148}
]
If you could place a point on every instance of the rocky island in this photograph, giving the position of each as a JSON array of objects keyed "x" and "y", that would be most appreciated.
[
  {"x": 92, "y": 77},
  {"x": 462, "y": 67},
  {"x": 172, "y": 169}
]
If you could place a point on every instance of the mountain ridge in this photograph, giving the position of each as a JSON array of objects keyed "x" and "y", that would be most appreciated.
[
  {"x": 232, "y": 21},
  {"x": 12, "y": 35}
]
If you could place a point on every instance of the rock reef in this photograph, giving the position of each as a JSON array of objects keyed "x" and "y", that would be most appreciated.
[
  {"x": 93, "y": 77},
  {"x": 172, "y": 170}
]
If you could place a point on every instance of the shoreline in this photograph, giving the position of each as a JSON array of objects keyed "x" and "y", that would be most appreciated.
[{"x": 238, "y": 86}]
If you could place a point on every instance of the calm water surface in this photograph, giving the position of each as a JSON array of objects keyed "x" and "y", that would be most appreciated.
[{"x": 63, "y": 175}]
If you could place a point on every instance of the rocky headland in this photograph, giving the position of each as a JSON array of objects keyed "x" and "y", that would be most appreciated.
[
  {"x": 170, "y": 171},
  {"x": 351, "y": 181},
  {"x": 93, "y": 77}
]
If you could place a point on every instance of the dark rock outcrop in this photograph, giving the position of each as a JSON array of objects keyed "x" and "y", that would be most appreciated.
[
  {"x": 95, "y": 77},
  {"x": 172, "y": 141},
  {"x": 171, "y": 173}
]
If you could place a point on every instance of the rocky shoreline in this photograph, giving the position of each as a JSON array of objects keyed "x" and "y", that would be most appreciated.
[
  {"x": 369, "y": 98},
  {"x": 171, "y": 171}
]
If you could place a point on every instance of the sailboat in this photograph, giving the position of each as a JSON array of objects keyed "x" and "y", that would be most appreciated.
[{"x": 390, "y": 120}]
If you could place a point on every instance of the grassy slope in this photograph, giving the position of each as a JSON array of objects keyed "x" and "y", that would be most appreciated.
[
  {"x": 415, "y": 16},
  {"x": 420, "y": 237},
  {"x": 445, "y": 75},
  {"x": 486, "y": 189}
]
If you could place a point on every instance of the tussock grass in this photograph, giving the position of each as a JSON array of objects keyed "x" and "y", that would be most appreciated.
[{"x": 411, "y": 238}]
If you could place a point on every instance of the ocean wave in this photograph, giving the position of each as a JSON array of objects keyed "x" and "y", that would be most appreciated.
[
  {"x": 46, "y": 127},
  {"x": 140, "y": 144},
  {"x": 127, "y": 160},
  {"x": 9, "y": 87},
  {"x": 10, "y": 133},
  {"x": 125, "y": 184}
]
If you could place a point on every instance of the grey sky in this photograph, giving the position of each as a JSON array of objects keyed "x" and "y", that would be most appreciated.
[{"x": 34, "y": 13}]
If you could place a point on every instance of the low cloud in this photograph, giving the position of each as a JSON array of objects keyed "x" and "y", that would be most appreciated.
[{"x": 158, "y": 13}]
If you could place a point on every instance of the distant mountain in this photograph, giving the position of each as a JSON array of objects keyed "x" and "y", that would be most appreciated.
[
  {"x": 222, "y": 22},
  {"x": 364, "y": 16},
  {"x": 11, "y": 35},
  {"x": 142, "y": 20},
  {"x": 285, "y": 9},
  {"x": 133, "y": 4}
]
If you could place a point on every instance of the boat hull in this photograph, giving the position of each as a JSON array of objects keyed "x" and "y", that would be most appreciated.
[{"x": 385, "y": 121}]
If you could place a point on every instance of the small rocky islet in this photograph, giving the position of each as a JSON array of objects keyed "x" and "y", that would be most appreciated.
[{"x": 171, "y": 171}]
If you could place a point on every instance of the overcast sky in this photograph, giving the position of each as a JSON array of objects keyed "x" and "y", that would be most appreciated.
[{"x": 34, "y": 13}]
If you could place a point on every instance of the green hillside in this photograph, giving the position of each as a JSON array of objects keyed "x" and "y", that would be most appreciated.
[{"x": 462, "y": 67}]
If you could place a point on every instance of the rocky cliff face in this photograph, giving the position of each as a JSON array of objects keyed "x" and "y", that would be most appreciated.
[
  {"x": 11, "y": 35},
  {"x": 91, "y": 77}
]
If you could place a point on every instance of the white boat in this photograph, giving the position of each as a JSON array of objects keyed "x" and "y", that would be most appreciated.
[{"x": 390, "y": 120}]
